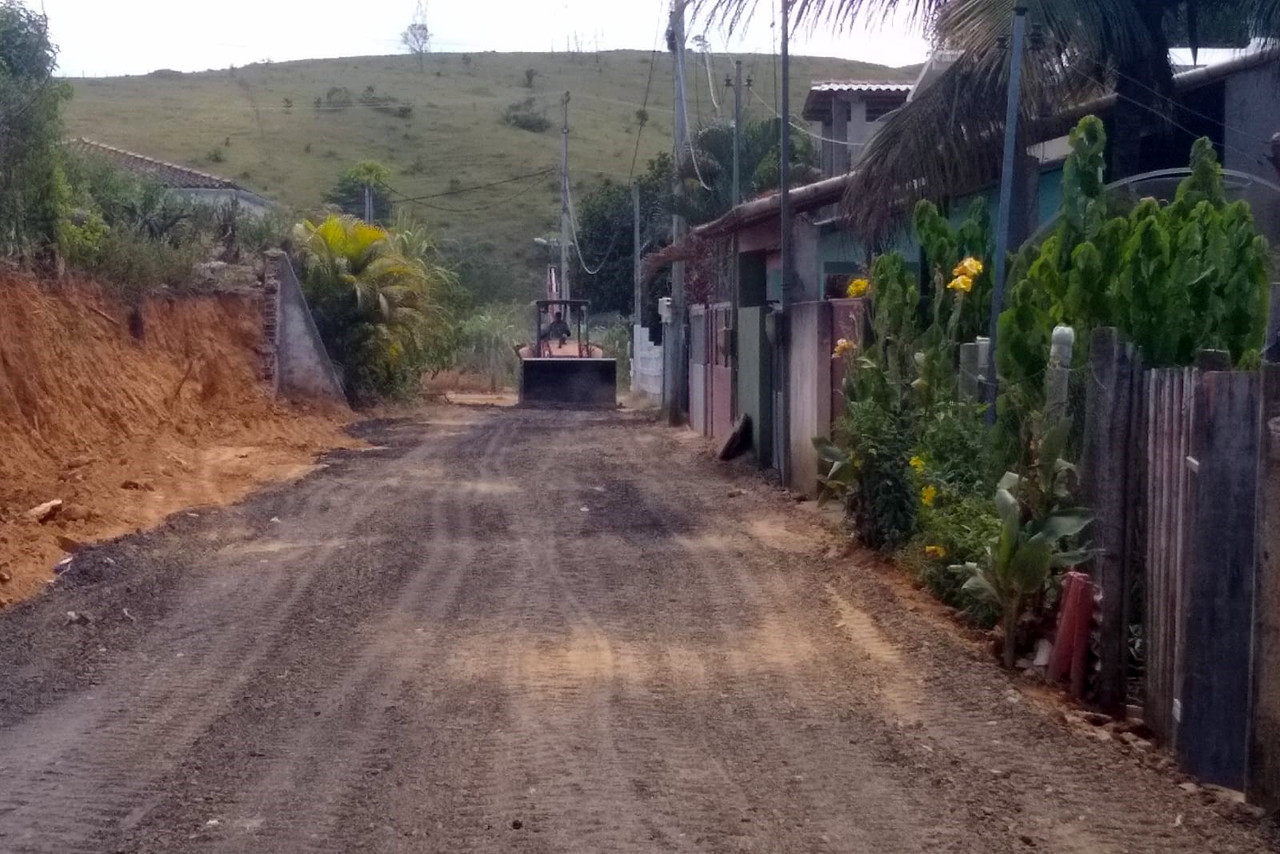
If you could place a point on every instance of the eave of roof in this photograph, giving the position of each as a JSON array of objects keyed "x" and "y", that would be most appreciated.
[
  {"x": 169, "y": 174},
  {"x": 819, "y": 92}
]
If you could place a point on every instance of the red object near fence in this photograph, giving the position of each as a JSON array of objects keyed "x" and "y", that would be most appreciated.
[{"x": 1071, "y": 647}]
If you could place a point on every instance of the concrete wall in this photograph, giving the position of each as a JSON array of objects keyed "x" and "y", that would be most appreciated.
[
  {"x": 810, "y": 378},
  {"x": 301, "y": 366},
  {"x": 646, "y": 366}
]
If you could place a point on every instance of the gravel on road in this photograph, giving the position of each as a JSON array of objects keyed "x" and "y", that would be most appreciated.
[{"x": 507, "y": 630}]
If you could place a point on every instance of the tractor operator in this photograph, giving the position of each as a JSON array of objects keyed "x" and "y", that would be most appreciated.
[{"x": 559, "y": 330}]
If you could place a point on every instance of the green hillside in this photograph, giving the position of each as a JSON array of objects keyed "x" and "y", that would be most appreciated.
[{"x": 260, "y": 126}]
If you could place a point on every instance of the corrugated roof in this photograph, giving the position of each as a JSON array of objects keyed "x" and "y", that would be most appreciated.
[
  {"x": 867, "y": 86},
  {"x": 169, "y": 174}
]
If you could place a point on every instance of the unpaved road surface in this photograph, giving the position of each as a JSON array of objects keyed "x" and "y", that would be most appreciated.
[{"x": 541, "y": 632}]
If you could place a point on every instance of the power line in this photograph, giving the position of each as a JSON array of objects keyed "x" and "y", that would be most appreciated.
[
  {"x": 804, "y": 130},
  {"x": 1254, "y": 157},
  {"x": 644, "y": 107},
  {"x": 464, "y": 190},
  {"x": 408, "y": 200},
  {"x": 1187, "y": 109}
]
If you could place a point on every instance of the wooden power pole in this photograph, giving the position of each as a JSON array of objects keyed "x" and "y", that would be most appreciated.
[{"x": 673, "y": 346}]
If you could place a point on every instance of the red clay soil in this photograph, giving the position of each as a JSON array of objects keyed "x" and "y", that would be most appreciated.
[{"x": 126, "y": 430}]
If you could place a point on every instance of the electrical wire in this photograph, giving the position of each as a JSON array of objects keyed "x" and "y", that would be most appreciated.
[
  {"x": 1254, "y": 157},
  {"x": 1187, "y": 109},
  {"x": 465, "y": 190},
  {"x": 804, "y": 130},
  {"x": 684, "y": 105},
  {"x": 416, "y": 202},
  {"x": 648, "y": 84}
]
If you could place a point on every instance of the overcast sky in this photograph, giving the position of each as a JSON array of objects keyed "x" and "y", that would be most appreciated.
[{"x": 108, "y": 37}]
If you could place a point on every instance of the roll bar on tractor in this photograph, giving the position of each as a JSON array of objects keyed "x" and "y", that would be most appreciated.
[{"x": 577, "y": 309}]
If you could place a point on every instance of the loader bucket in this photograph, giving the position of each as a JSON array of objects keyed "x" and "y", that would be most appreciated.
[{"x": 569, "y": 382}]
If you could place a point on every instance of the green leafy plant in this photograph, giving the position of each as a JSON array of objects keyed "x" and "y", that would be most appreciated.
[
  {"x": 1174, "y": 278},
  {"x": 868, "y": 472},
  {"x": 486, "y": 339},
  {"x": 1035, "y": 525}
]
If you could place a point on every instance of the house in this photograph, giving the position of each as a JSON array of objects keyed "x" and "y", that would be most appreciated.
[
  {"x": 734, "y": 361},
  {"x": 846, "y": 115},
  {"x": 182, "y": 181}
]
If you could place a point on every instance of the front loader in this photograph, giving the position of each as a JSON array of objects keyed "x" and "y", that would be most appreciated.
[{"x": 562, "y": 367}]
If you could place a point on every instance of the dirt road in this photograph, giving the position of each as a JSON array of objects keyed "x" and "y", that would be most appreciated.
[{"x": 541, "y": 632}]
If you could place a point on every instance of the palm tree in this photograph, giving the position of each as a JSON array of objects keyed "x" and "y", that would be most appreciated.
[
  {"x": 378, "y": 309},
  {"x": 947, "y": 139}
]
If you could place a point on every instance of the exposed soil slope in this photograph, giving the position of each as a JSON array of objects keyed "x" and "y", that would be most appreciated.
[
  {"x": 538, "y": 632},
  {"x": 125, "y": 429}
]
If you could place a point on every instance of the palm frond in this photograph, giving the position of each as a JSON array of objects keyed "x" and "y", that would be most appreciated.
[
  {"x": 948, "y": 140},
  {"x": 839, "y": 14}
]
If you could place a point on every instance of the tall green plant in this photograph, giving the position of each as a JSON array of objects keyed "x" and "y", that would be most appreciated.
[
  {"x": 1036, "y": 524},
  {"x": 1174, "y": 278},
  {"x": 377, "y": 309},
  {"x": 32, "y": 191}
]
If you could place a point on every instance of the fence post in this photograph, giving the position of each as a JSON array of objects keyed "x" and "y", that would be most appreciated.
[
  {"x": 1112, "y": 493},
  {"x": 1058, "y": 376},
  {"x": 1221, "y": 577},
  {"x": 969, "y": 369},
  {"x": 1263, "y": 785}
]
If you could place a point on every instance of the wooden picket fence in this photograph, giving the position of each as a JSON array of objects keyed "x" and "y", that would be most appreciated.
[{"x": 1171, "y": 468}]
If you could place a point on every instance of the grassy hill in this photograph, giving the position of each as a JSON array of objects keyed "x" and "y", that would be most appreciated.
[{"x": 260, "y": 125}]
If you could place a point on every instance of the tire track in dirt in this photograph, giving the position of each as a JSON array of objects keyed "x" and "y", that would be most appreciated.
[
  {"x": 67, "y": 786},
  {"x": 437, "y": 649}
]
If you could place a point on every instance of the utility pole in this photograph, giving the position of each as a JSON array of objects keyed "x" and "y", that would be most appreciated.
[
  {"x": 564, "y": 202},
  {"x": 636, "y": 319},
  {"x": 1006, "y": 201},
  {"x": 673, "y": 345},
  {"x": 736, "y": 268},
  {"x": 782, "y": 336}
]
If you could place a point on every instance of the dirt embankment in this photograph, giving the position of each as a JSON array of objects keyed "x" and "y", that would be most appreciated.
[{"x": 125, "y": 423}]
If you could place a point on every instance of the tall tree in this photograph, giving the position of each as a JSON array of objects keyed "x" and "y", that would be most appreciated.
[
  {"x": 30, "y": 128},
  {"x": 948, "y": 138},
  {"x": 417, "y": 37},
  {"x": 604, "y": 222},
  {"x": 349, "y": 193}
]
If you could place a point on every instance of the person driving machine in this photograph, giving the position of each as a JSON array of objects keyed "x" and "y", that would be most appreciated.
[{"x": 558, "y": 330}]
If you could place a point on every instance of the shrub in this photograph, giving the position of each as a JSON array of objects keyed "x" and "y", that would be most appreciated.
[
  {"x": 215, "y": 155},
  {"x": 955, "y": 447},
  {"x": 958, "y": 529},
  {"x": 1173, "y": 277},
  {"x": 880, "y": 494},
  {"x": 338, "y": 97},
  {"x": 131, "y": 263},
  {"x": 527, "y": 115},
  {"x": 529, "y": 75}
]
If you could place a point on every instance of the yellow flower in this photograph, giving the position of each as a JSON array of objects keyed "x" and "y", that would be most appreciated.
[
  {"x": 928, "y": 495},
  {"x": 916, "y": 463},
  {"x": 857, "y": 288},
  {"x": 970, "y": 267},
  {"x": 844, "y": 347},
  {"x": 935, "y": 551},
  {"x": 963, "y": 284}
]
